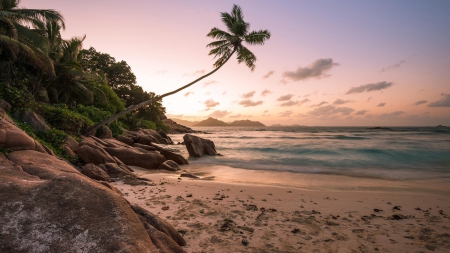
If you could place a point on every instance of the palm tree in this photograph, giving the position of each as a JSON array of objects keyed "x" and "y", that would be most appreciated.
[
  {"x": 19, "y": 42},
  {"x": 228, "y": 42}
]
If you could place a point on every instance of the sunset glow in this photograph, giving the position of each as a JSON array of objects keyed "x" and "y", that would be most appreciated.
[{"x": 330, "y": 63}]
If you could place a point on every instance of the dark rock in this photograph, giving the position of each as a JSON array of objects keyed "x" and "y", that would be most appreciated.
[
  {"x": 34, "y": 120},
  {"x": 48, "y": 206},
  {"x": 197, "y": 147},
  {"x": 189, "y": 175},
  {"x": 146, "y": 147},
  {"x": 169, "y": 165},
  {"x": 95, "y": 172},
  {"x": 133, "y": 156},
  {"x": 114, "y": 170},
  {"x": 175, "y": 128},
  {"x": 105, "y": 133},
  {"x": 125, "y": 140},
  {"x": 244, "y": 242},
  {"x": 5, "y": 105},
  {"x": 170, "y": 153}
]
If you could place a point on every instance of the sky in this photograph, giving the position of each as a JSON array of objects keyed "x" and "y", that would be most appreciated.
[{"x": 327, "y": 63}]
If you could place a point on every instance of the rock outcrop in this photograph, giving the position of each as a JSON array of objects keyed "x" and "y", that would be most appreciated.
[
  {"x": 170, "y": 153},
  {"x": 33, "y": 119},
  {"x": 197, "y": 147},
  {"x": 14, "y": 138},
  {"x": 46, "y": 205}
]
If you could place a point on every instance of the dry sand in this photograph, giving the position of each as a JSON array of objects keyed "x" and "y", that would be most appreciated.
[{"x": 297, "y": 213}]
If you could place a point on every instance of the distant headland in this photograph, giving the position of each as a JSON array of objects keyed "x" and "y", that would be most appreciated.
[{"x": 212, "y": 122}]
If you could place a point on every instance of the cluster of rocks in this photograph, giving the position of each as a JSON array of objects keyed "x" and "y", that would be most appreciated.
[
  {"x": 48, "y": 205},
  {"x": 175, "y": 128}
]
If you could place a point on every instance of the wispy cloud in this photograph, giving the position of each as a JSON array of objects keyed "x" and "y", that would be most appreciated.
[
  {"x": 248, "y": 95},
  {"x": 370, "y": 87},
  {"x": 160, "y": 72},
  {"x": 289, "y": 103},
  {"x": 235, "y": 116},
  {"x": 268, "y": 74},
  {"x": 319, "y": 104},
  {"x": 381, "y": 104},
  {"x": 211, "y": 103},
  {"x": 420, "y": 102},
  {"x": 393, "y": 66},
  {"x": 265, "y": 92},
  {"x": 304, "y": 101},
  {"x": 219, "y": 114},
  {"x": 330, "y": 110},
  {"x": 341, "y": 102},
  {"x": 443, "y": 102},
  {"x": 391, "y": 114},
  {"x": 369, "y": 99},
  {"x": 250, "y": 103},
  {"x": 198, "y": 72},
  {"x": 285, "y": 97},
  {"x": 285, "y": 113},
  {"x": 362, "y": 112},
  {"x": 188, "y": 93},
  {"x": 208, "y": 83},
  {"x": 316, "y": 69}
]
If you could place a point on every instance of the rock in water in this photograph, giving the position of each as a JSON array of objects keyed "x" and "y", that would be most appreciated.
[
  {"x": 46, "y": 205},
  {"x": 169, "y": 165},
  {"x": 197, "y": 147}
]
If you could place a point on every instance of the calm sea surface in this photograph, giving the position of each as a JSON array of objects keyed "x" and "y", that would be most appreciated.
[{"x": 401, "y": 153}]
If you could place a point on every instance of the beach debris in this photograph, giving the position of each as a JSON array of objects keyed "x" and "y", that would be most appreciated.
[
  {"x": 397, "y": 208},
  {"x": 249, "y": 229},
  {"x": 190, "y": 175},
  {"x": 189, "y": 195},
  {"x": 377, "y": 210},
  {"x": 263, "y": 210},
  {"x": 227, "y": 224},
  {"x": 397, "y": 217},
  {"x": 244, "y": 242},
  {"x": 165, "y": 208},
  {"x": 295, "y": 231},
  {"x": 251, "y": 208}
]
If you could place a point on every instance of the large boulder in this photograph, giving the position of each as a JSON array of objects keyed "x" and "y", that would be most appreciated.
[
  {"x": 137, "y": 157},
  {"x": 170, "y": 153},
  {"x": 95, "y": 172},
  {"x": 169, "y": 165},
  {"x": 72, "y": 143},
  {"x": 46, "y": 205},
  {"x": 11, "y": 137},
  {"x": 90, "y": 153},
  {"x": 175, "y": 128},
  {"x": 105, "y": 133},
  {"x": 34, "y": 120},
  {"x": 197, "y": 147},
  {"x": 146, "y": 147}
]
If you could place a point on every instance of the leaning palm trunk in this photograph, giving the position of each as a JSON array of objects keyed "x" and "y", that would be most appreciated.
[{"x": 131, "y": 108}]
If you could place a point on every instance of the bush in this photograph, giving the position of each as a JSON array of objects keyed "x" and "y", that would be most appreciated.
[
  {"x": 60, "y": 117},
  {"x": 93, "y": 113},
  {"x": 54, "y": 136},
  {"x": 18, "y": 95}
]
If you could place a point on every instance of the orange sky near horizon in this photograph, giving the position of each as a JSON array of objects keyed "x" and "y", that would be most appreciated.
[{"x": 328, "y": 63}]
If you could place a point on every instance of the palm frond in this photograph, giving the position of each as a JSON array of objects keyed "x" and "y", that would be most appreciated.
[
  {"x": 219, "y": 51},
  {"x": 257, "y": 37},
  {"x": 33, "y": 38},
  {"x": 8, "y": 28},
  {"x": 237, "y": 13},
  {"x": 216, "y": 33},
  {"x": 244, "y": 55},
  {"x": 41, "y": 15},
  {"x": 217, "y": 43},
  {"x": 228, "y": 20},
  {"x": 222, "y": 58}
]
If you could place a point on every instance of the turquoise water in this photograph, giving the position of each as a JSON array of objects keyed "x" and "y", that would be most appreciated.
[{"x": 403, "y": 153}]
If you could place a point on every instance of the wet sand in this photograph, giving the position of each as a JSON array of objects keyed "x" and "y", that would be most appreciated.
[{"x": 233, "y": 210}]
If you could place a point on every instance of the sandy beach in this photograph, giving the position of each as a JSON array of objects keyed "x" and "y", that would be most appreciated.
[{"x": 233, "y": 210}]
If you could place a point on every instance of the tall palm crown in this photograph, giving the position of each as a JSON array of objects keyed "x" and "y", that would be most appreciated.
[
  {"x": 20, "y": 42},
  {"x": 231, "y": 41}
]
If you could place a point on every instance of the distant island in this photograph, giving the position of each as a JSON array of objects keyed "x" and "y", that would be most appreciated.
[
  {"x": 215, "y": 122},
  {"x": 279, "y": 125}
]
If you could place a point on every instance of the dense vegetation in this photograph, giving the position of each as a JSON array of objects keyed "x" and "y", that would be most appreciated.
[{"x": 70, "y": 87}]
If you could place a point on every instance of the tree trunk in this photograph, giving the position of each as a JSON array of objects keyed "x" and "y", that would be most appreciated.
[{"x": 91, "y": 130}]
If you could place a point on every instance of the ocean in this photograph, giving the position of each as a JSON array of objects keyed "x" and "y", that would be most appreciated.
[{"x": 396, "y": 153}]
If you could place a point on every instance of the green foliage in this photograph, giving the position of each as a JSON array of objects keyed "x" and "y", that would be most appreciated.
[
  {"x": 54, "y": 136},
  {"x": 116, "y": 129},
  {"x": 93, "y": 113},
  {"x": 18, "y": 95},
  {"x": 161, "y": 126},
  {"x": 60, "y": 117},
  {"x": 106, "y": 98}
]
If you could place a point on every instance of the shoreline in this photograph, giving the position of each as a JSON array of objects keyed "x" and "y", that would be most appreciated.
[{"x": 222, "y": 214}]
